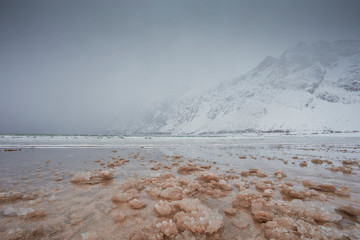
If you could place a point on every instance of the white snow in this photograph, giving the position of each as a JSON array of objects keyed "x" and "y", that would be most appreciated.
[{"x": 309, "y": 88}]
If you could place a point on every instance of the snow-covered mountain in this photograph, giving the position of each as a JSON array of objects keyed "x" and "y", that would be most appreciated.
[{"x": 310, "y": 87}]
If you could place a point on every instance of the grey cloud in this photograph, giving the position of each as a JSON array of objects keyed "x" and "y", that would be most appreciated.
[{"x": 90, "y": 66}]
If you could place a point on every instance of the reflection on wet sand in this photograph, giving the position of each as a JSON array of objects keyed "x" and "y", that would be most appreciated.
[{"x": 272, "y": 192}]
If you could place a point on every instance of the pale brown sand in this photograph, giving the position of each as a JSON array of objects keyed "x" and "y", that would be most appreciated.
[{"x": 147, "y": 193}]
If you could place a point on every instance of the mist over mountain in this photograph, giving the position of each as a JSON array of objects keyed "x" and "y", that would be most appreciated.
[{"x": 309, "y": 88}]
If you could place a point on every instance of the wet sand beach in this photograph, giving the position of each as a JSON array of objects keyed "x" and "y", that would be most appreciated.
[{"x": 282, "y": 187}]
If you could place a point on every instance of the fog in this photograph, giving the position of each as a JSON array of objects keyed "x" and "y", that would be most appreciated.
[{"x": 92, "y": 66}]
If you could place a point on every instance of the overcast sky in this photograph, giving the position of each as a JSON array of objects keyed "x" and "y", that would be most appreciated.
[{"x": 84, "y": 66}]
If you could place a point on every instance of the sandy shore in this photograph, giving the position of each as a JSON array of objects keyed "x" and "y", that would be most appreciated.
[{"x": 305, "y": 189}]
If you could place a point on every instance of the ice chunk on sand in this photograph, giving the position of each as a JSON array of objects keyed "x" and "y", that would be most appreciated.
[
  {"x": 167, "y": 175},
  {"x": 38, "y": 213},
  {"x": 52, "y": 198},
  {"x": 32, "y": 196},
  {"x": 279, "y": 174},
  {"x": 92, "y": 177},
  {"x": 81, "y": 177},
  {"x": 308, "y": 183},
  {"x": 24, "y": 211},
  {"x": 303, "y": 164},
  {"x": 240, "y": 223},
  {"x": 123, "y": 197},
  {"x": 119, "y": 217},
  {"x": 163, "y": 208},
  {"x": 27, "y": 212},
  {"x": 186, "y": 235},
  {"x": 343, "y": 191},
  {"x": 244, "y": 198},
  {"x": 261, "y": 174},
  {"x": 89, "y": 236},
  {"x": 230, "y": 211},
  {"x": 241, "y": 185},
  {"x": 263, "y": 185},
  {"x": 208, "y": 177},
  {"x": 326, "y": 187},
  {"x": 262, "y": 216},
  {"x": 310, "y": 231},
  {"x": 299, "y": 208},
  {"x": 349, "y": 209},
  {"x": 189, "y": 204},
  {"x": 197, "y": 218},
  {"x": 223, "y": 185},
  {"x": 9, "y": 211},
  {"x": 85, "y": 236},
  {"x": 137, "y": 204},
  {"x": 244, "y": 173},
  {"x": 291, "y": 193},
  {"x": 10, "y": 196},
  {"x": 168, "y": 228},
  {"x": 188, "y": 169},
  {"x": 172, "y": 193},
  {"x": 268, "y": 193}
]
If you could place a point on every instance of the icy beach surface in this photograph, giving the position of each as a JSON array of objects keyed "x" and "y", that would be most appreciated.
[{"x": 112, "y": 187}]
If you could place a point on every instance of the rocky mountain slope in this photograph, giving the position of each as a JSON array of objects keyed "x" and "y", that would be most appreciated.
[{"x": 310, "y": 87}]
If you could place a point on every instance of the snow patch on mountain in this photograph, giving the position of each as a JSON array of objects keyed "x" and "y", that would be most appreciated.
[{"x": 310, "y": 87}]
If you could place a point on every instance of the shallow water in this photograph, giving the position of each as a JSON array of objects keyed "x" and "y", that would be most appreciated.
[{"x": 82, "y": 211}]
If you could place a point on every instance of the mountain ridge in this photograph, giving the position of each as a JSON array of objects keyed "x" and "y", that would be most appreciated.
[{"x": 310, "y": 87}]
